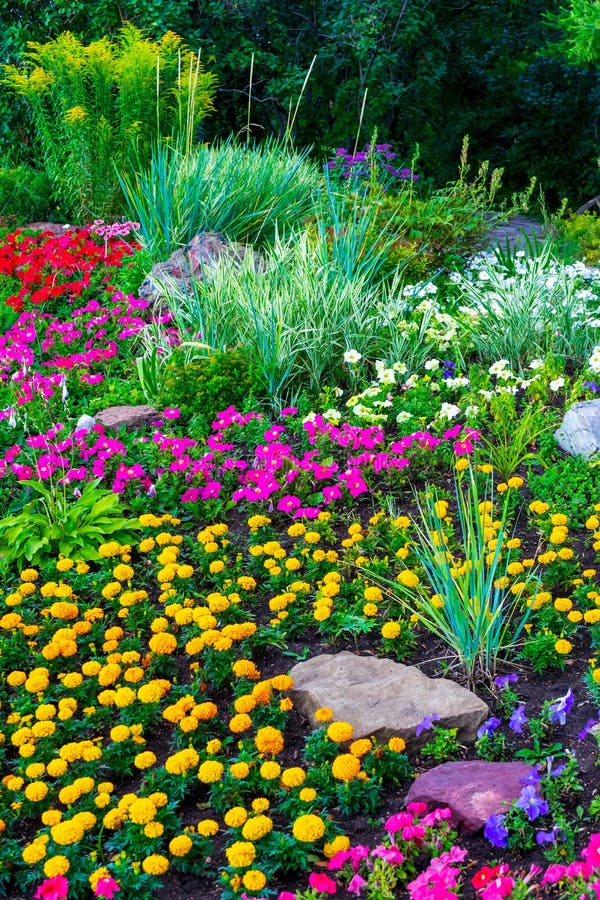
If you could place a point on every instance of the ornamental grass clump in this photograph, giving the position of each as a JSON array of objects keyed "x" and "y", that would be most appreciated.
[{"x": 463, "y": 593}]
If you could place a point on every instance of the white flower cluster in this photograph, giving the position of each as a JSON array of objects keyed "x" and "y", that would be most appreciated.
[{"x": 594, "y": 360}]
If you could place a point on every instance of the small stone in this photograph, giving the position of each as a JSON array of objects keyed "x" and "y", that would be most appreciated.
[
  {"x": 85, "y": 423},
  {"x": 129, "y": 417},
  {"x": 579, "y": 433},
  {"x": 474, "y": 791},
  {"x": 383, "y": 699}
]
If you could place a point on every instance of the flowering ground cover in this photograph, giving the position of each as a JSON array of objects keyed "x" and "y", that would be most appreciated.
[{"x": 159, "y": 585}]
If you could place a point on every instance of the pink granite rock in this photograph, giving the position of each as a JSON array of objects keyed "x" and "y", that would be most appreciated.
[
  {"x": 473, "y": 790},
  {"x": 130, "y": 417}
]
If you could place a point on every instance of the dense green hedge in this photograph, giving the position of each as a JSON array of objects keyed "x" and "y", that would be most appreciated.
[{"x": 433, "y": 69}]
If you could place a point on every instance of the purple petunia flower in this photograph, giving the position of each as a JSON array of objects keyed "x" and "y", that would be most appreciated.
[
  {"x": 518, "y": 719},
  {"x": 561, "y": 707},
  {"x": 586, "y": 729},
  {"x": 548, "y": 837},
  {"x": 495, "y": 832},
  {"x": 531, "y": 803},
  {"x": 426, "y": 723},
  {"x": 489, "y": 727},
  {"x": 591, "y": 386},
  {"x": 502, "y": 681}
]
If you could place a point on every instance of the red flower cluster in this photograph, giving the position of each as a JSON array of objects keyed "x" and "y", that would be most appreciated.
[{"x": 50, "y": 266}]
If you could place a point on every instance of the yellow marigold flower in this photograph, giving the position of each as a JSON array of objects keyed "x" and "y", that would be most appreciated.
[
  {"x": 296, "y": 530},
  {"x": 293, "y": 777},
  {"x": 270, "y": 770},
  {"x": 245, "y": 668},
  {"x": 241, "y": 854},
  {"x": 235, "y": 816},
  {"x": 397, "y": 744},
  {"x": 591, "y": 616},
  {"x": 324, "y": 714},
  {"x": 239, "y": 770},
  {"x": 461, "y": 464},
  {"x": 558, "y": 536},
  {"x": 36, "y": 791},
  {"x": 204, "y": 712},
  {"x": 390, "y": 630},
  {"x": 180, "y": 845},
  {"x": 360, "y": 747},
  {"x": 269, "y": 740},
  {"x": 210, "y": 771},
  {"x": 154, "y": 829},
  {"x": 33, "y": 853},
  {"x": 123, "y": 572},
  {"x": 254, "y": 880},
  {"x": 35, "y": 770},
  {"x": 56, "y": 865},
  {"x": 145, "y": 760},
  {"x": 340, "y": 732},
  {"x": 240, "y": 723},
  {"x": 16, "y": 678},
  {"x": 207, "y": 827},
  {"x": 563, "y": 646},
  {"x": 307, "y": 795},
  {"x": 163, "y": 644},
  {"x": 66, "y": 833},
  {"x": 183, "y": 761},
  {"x": 538, "y": 507},
  {"x": 155, "y": 864},
  {"x": 256, "y": 828},
  {"x": 154, "y": 690},
  {"x": 258, "y": 521},
  {"x": 373, "y": 594},
  {"x": 29, "y": 575},
  {"x": 56, "y": 767},
  {"x": 339, "y": 843},
  {"x": 51, "y": 817},
  {"x": 408, "y": 578},
  {"x": 142, "y": 811},
  {"x": 565, "y": 553},
  {"x": 515, "y": 482},
  {"x": 111, "y": 590},
  {"x": 559, "y": 519},
  {"x": 345, "y": 767},
  {"x": 575, "y": 616},
  {"x": 308, "y": 828},
  {"x": 596, "y": 676},
  {"x": 563, "y": 604}
]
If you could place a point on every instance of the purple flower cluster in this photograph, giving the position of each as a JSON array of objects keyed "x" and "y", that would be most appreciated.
[{"x": 363, "y": 164}]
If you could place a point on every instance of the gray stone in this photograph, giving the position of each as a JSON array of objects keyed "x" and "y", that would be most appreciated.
[
  {"x": 473, "y": 790},
  {"x": 85, "y": 423},
  {"x": 129, "y": 417},
  {"x": 382, "y": 698},
  {"x": 192, "y": 262},
  {"x": 579, "y": 433}
]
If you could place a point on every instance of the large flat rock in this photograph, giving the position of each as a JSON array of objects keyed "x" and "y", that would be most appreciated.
[
  {"x": 129, "y": 417},
  {"x": 382, "y": 698},
  {"x": 474, "y": 790}
]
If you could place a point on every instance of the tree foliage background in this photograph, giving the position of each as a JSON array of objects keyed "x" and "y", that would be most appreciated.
[{"x": 432, "y": 70}]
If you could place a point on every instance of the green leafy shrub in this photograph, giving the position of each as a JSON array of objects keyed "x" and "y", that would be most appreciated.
[
  {"x": 583, "y": 233},
  {"x": 25, "y": 196},
  {"x": 208, "y": 384},
  {"x": 52, "y": 523},
  {"x": 98, "y": 107}
]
